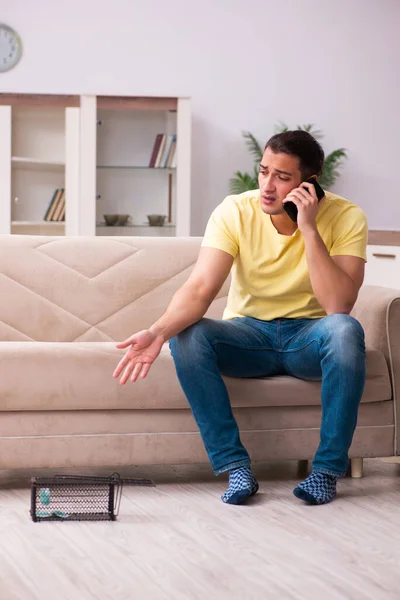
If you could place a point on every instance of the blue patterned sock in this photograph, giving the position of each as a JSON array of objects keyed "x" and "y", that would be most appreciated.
[
  {"x": 242, "y": 485},
  {"x": 318, "y": 488}
]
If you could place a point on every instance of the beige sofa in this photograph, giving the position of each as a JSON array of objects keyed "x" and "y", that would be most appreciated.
[{"x": 64, "y": 304}]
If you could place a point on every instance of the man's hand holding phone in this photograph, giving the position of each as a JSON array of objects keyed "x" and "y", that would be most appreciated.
[{"x": 305, "y": 199}]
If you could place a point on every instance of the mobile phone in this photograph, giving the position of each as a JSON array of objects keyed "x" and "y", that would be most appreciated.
[{"x": 291, "y": 208}]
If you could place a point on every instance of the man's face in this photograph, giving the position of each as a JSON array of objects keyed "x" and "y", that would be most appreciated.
[{"x": 279, "y": 175}]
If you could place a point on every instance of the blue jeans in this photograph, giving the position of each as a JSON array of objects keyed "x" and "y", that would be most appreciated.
[{"x": 330, "y": 349}]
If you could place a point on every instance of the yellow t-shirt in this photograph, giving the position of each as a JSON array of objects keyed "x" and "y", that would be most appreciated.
[{"x": 270, "y": 277}]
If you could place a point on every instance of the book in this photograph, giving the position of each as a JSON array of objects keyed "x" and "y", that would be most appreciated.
[
  {"x": 62, "y": 213},
  {"x": 171, "y": 153},
  {"x": 168, "y": 147},
  {"x": 156, "y": 147},
  {"x": 59, "y": 208},
  {"x": 50, "y": 216},
  {"x": 50, "y": 205},
  {"x": 161, "y": 151},
  {"x": 62, "y": 216},
  {"x": 173, "y": 160}
]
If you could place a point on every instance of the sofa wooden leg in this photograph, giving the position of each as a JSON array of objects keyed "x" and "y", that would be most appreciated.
[
  {"x": 357, "y": 468},
  {"x": 302, "y": 468}
]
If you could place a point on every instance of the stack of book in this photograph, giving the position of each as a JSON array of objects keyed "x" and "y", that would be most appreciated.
[
  {"x": 164, "y": 152},
  {"x": 56, "y": 209}
]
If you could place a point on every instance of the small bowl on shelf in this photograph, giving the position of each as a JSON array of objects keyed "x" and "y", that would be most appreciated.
[
  {"x": 156, "y": 220},
  {"x": 119, "y": 220},
  {"x": 111, "y": 219},
  {"x": 123, "y": 219}
]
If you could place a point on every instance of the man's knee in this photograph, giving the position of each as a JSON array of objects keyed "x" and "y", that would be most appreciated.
[
  {"x": 191, "y": 338},
  {"x": 344, "y": 331},
  {"x": 344, "y": 325}
]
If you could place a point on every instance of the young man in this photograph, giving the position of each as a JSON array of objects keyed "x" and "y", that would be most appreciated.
[{"x": 293, "y": 287}]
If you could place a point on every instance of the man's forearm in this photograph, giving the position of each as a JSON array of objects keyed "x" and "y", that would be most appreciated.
[
  {"x": 334, "y": 289},
  {"x": 186, "y": 307}
]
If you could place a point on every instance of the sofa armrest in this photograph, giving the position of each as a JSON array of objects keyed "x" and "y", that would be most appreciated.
[{"x": 378, "y": 310}]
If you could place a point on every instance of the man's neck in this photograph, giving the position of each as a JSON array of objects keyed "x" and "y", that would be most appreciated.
[{"x": 283, "y": 224}]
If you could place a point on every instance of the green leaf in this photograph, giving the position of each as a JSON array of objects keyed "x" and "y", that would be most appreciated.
[
  {"x": 332, "y": 164},
  {"x": 243, "y": 182},
  {"x": 309, "y": 128},
  {"x": 281, "y": 128},
  {"x": 253, "y": 146}
]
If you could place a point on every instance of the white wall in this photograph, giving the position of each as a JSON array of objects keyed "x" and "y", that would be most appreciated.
[{"x": 246, "y": 64}]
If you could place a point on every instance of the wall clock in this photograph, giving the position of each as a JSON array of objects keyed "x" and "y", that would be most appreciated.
[{"x": 10, "y": 48}]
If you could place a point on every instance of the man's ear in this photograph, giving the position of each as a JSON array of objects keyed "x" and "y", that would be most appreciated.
[{"x": 310, "y": 177}]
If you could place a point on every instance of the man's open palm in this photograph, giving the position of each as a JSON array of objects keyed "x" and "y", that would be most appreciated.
[{"x": 143, "y": 349}]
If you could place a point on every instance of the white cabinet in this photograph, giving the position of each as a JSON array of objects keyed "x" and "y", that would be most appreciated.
[
  {"x": 97, "y": 149},
  {"x": 383, "y": 266}
]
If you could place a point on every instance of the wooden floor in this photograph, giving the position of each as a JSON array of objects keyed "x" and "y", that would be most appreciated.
[{"x": 178, "y": 541}]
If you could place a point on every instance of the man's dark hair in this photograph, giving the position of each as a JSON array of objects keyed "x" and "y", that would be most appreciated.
[{"x": 303, "y": 145}]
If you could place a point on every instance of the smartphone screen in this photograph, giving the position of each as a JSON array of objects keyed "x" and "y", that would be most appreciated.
[{"x": 291, "y": 209}]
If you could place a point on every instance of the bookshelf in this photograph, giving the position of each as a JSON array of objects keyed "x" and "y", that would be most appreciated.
[{"x": 97, "y": 149}]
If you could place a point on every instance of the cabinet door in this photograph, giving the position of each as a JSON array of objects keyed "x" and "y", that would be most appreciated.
[
  {"x": 38, "y": 163},
  {"x": 128, "y": 182},
  {"x": 142, "y": 166},
  {"x": 38, "y": 189},
  {"x": 383, "y": 266}
]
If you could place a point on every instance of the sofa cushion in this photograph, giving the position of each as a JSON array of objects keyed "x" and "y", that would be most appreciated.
[
  {"x": 86, "y": 289},
  {"x": 78, "y": 376}
]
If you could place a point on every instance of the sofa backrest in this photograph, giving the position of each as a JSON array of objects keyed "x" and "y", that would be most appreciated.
[{"x": 90, "y": 288}]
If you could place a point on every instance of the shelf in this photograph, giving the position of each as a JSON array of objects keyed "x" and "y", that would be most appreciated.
[
  {"x": 37, "y": 223},
  {"x": 136, "y": 167},
  {"x": 35, "y": 164},
  {"x": 130, "y": 226}
]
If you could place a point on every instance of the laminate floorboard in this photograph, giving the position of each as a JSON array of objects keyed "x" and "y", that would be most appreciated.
[{"x": 179, "y": 541}]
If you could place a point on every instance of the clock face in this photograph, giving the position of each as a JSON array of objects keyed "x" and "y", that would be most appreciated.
[{"x": 10, "y": 48}]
